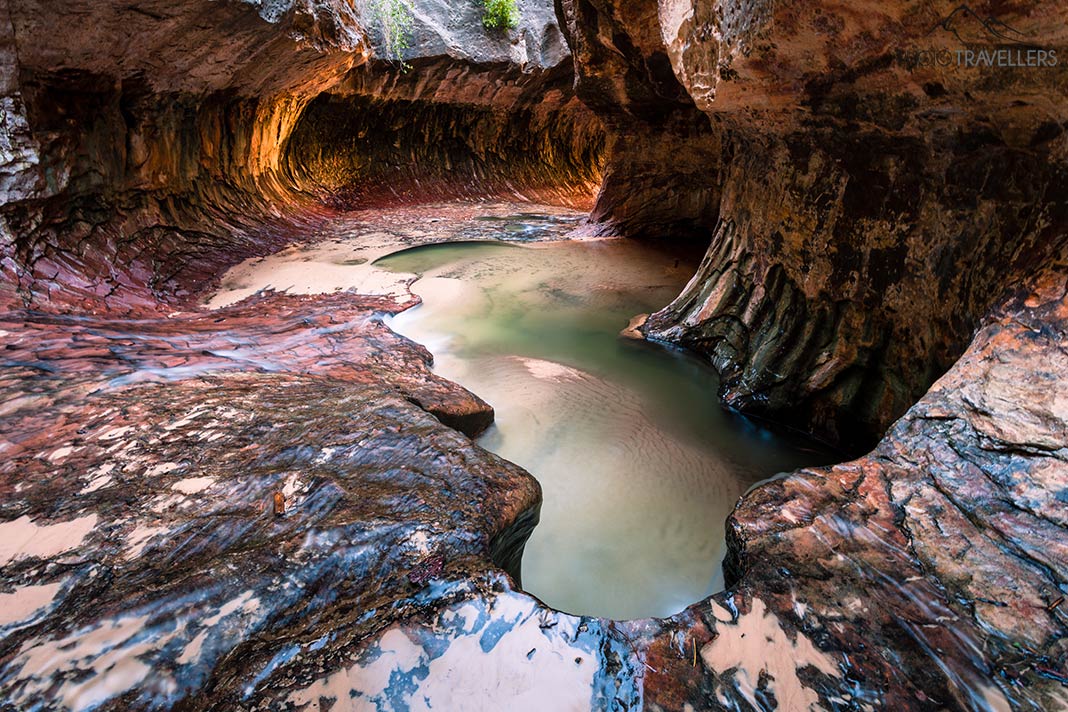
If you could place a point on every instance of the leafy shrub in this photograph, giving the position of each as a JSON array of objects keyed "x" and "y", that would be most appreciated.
[
  {"x": 500, "y": 14},
  {"x": 393, "y": 19}
]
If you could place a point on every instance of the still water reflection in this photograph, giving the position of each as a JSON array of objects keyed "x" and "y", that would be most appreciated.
[{"x": 639, "y": 464}]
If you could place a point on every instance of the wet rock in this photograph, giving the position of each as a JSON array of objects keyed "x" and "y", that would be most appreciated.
[
  {"x": 943, "y": 544},
  {"x": 633, "y": 328},
  {"x": 135, "y": 458},
  {"x": 137, "y": 174},
  {"x": 427, "y": 570},
  {"x": 135, "y": 177}
]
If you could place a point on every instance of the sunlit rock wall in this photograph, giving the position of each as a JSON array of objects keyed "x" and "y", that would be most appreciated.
[
  {"x": 149, "y": 141},
  {"x": 458, "y": 110},
  {"x": 526, "y": 140},
  {"x": 146, "y": 146}
]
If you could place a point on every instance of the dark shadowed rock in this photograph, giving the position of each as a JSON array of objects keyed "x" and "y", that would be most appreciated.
[{"x": 863, "y": 211}]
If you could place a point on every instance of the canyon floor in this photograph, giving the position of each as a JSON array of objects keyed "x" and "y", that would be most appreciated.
[{"x": 147, "y": 563}]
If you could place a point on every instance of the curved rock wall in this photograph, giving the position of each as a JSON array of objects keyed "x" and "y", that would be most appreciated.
[
  {"x": 440, "y": 129},
  {"x": 864, "y": 215},
  {"x": 138, "y": 172},
  {"x": 847, "y": 272},
  {"x": 938, "y": 560},
  {"x": 333, "y": 477},
  {"x": 461, "y": 111},
  {"x": 864, "y": 210},
  {"x": 134, "y": 176}
]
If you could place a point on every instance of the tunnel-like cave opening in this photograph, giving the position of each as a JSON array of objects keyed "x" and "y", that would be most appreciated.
[{"x": 360, "y": 151}]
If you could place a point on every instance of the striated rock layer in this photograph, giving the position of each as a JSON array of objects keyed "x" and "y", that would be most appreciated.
[
  {"x": 865, "y": 210},
  {"x": 431, "y": 131},
  {"x": 146, "y": 567},
  {"x": 136, "y": 172},
  {"x": 954, "y": 524},
  {"x": 205, "y": 488},
  {"x": 133, "y": 176}
]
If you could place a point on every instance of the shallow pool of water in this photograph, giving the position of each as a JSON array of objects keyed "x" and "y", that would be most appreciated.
[{"x": 638, "y": 463}]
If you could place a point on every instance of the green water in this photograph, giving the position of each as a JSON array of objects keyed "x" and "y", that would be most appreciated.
[{"x": 638, "y": 463}]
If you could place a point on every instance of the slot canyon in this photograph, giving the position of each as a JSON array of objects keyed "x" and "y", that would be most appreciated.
[{"x": 668, "y": 355}]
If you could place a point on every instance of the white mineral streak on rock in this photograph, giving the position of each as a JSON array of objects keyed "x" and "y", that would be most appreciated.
[
  {"x": 99, "y": 478},
  {"x": 244, "y": 605},
  {"x": 756, "y": 642},
  {"x": 24, "y": 602},
  {"x": 112, "y": 657},
  {"x": 188, "y": 418},
  {"x": 163, "y": 503},
  {"x": 108, "y": 651},
  {"x": 191, "y": 652},
  {"x": 526, "y": 669},
  {"x": 192, "y": 485},
  {"x": 293, "y": 483},
  {"x": 161, "y": 469},
  {"x": 61, "y": 454},
  {"x": 323, "y": 457},
  {"x": 420, "y": 541},
  {"x": 22, "y": 538},
  {"x": 114, "y": 433}
]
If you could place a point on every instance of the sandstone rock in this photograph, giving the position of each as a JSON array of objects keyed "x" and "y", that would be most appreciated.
[
  {"x": 455, "y": 30},
  {"x": 864, "y": 213},
  {"x": 172, "y": 156},
  {"x": 943, "y": 541},
  {"x": 864, "y": 217}
]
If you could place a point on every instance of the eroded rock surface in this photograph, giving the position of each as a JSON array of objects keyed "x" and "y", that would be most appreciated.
[
  {"x": 947, "y": 539},
  {"x": 865, "y": 210},
  {"x": 136, "y": 174},
  {"x": 141, "y": 461}
]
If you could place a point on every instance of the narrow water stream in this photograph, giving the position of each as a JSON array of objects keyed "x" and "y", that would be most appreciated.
[{"x": 638, "y": 463}]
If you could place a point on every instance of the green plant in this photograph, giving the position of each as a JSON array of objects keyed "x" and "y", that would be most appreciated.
[
  {"x": 500, "y": 14},
  {"x": 394, "y": 21}
]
